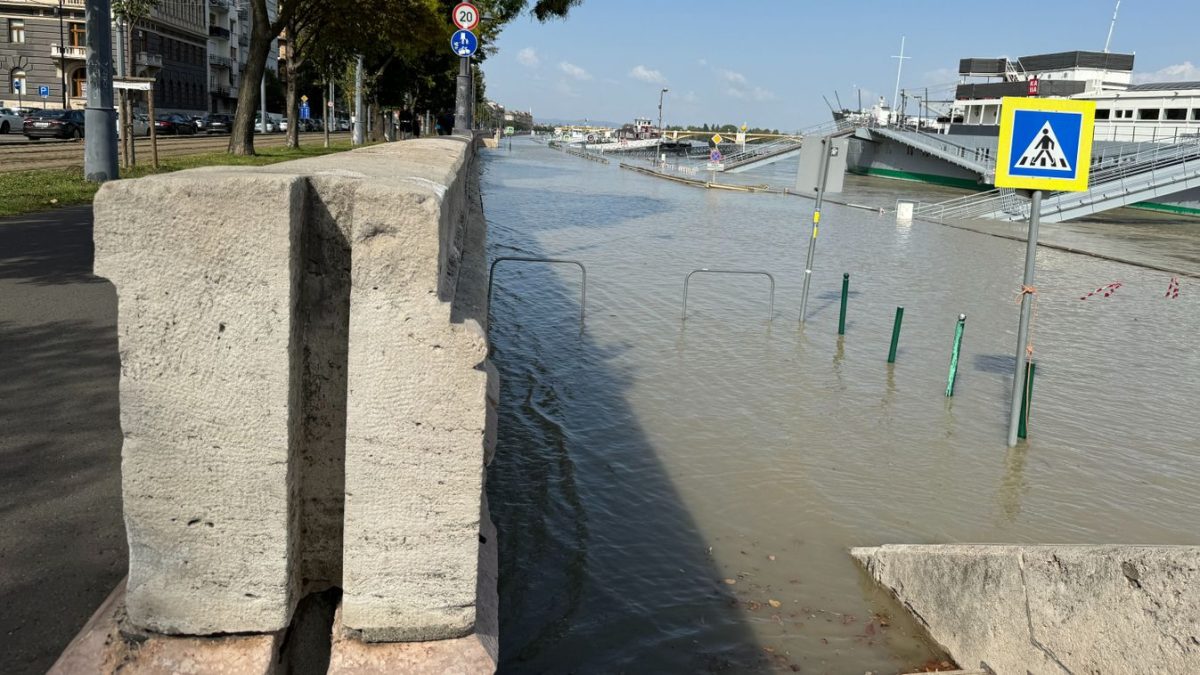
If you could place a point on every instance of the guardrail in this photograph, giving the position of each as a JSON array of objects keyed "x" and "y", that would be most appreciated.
[
  {"x": 770, "y": 301},
  {"x": 558, "y": 261}
]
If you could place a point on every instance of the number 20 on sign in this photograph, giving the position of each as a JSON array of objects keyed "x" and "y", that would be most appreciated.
[{"x": 466, "y": 16}]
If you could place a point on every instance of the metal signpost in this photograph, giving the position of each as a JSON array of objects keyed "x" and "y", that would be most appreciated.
[
  {"x": 305, "y": 111},
  {"x": 822, "y": 170},
  {"x": 464, "y": 44},
  {"x": 1045, "y": 144},
  {"x": 44, "y": 92},
  {"x": 18, "y": 90}
]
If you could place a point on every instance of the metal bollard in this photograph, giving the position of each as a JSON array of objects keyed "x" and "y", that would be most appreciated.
[
  {"x": 958, "y": 334},
  {"x": 845, "y": 294},
  {"x": 896, "y": 334},
  {"x": 1026, "y": 399}
]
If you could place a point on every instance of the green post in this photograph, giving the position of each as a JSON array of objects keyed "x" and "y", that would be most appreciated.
[
  {"x": 845, "y": 293},
  {"x": 1026, "y": 399},
  {"x": 958, "y": 334},
  {"x": 896, "y": 334}
]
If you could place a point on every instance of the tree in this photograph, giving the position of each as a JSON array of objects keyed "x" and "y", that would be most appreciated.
[
  {"x": 331, "y": 32},
  {"x": 128, "y": 14}
]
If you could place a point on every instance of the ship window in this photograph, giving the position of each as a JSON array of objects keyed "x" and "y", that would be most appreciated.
[
  {"x": 1196, "y": 113},
  {"x": 1176, "y": 113},
  {"x": 1148, "y": 113},
  {"x": 1102, "y": 113}
]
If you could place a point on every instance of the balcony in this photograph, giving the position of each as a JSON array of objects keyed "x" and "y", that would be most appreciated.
[
  {"x": 68, "y": 52},
  {"x": 221, "y": 61},
  {"x": 222, "y": 5},
  {"x": 148, "y": 60},
  {"x": 218, "y": 32}
]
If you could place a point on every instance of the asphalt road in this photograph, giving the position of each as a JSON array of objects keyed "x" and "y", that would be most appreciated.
[{"x": 62, "y": 540}]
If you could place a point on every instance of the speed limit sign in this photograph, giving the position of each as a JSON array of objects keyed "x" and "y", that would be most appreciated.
[{"x": 466, "y": 16}]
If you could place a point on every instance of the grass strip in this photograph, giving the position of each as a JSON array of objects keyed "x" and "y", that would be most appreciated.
[{"x": 24, "y": 192}]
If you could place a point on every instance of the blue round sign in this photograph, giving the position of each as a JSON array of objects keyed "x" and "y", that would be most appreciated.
[{"x": 464, "y": 43}]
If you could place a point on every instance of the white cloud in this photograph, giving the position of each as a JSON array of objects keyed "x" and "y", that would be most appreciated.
[
  {"x": 528, "y": 57},
  {"x": 703, "y": 62},
  {"x": 647, "y": 75},
  {"x": 734, "y": 79},
  {"x": 574, "y": 71},
  {"x": 1178, "y": 72},
  {"x": 760, "y": 94}
]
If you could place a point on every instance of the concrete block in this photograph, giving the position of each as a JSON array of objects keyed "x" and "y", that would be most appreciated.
[
  {"x": 416, "y": 415},
  {"x": 208, "y": 283},
  {"x": 102, "y": 649},
  {"x": 1049, "y": 609}
]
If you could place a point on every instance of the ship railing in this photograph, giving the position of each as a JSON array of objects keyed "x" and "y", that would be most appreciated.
[{"x": 756, "y": 150}]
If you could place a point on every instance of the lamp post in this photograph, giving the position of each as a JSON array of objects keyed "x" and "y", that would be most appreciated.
[{"x": 658, "y": 150}]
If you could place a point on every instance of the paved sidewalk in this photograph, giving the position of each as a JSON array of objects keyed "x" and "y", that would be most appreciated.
[{"x": 62, "y": 542}]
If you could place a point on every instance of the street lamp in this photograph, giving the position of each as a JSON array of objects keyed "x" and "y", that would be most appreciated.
[{"x": 660, "y": 126}]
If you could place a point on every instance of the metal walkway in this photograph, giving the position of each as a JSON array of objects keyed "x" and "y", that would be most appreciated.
[
  {"x": 971, "y": 159},
  {"x": 756, "y": 155},
  {"x": 1149, "y": 171}
]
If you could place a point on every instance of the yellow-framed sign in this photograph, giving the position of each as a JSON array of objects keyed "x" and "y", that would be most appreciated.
[{"x": 1045, "y": 144}]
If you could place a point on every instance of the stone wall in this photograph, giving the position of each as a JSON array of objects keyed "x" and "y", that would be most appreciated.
[
  {"x": 305, "y": 395},
  {"x": 1051, "y": 609}
]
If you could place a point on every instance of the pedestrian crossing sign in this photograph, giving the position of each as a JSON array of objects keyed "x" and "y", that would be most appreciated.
[{"x": 1045, "y": 144}]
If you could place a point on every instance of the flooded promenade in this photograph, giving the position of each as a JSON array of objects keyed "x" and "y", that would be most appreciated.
[{"x": 679, "y": 496}]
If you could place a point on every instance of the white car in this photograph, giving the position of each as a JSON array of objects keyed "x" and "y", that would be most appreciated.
[
  {"x": 10, "y": 121},
  {"x": 141, "y": 126}
]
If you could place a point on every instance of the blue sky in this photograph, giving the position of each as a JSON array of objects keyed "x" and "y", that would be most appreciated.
[{"x": 768, "y": 63}]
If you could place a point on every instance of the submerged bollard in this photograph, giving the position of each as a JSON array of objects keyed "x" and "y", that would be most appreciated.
[
  {"x": 845, "y": 293},
  {"x": 896, "y": 334},
  {"x": 1026, "y": 398},
  {"x": 958, "y": 334}
]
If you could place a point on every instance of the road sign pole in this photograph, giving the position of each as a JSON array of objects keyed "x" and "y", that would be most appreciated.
[
  {"x": 100, "y": 146},
  {"x": 462, "y": 120},
  {"x": 816, "y": 221},
  {"x": 1014, "y": 418}
]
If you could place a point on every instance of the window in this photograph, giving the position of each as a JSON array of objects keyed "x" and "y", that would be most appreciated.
[
  {"x": 1176, "y": 113},
  {"x": 1196, "y": 113},
  {"x": 16, "y": 31},
  {"x": 78, "y": 35},
  {"x": 1148, "y": 113},
  {"x": 1102, "y": 113},
  {"x": 79, "y": 83},
  {"x": 16, "y": 82}
]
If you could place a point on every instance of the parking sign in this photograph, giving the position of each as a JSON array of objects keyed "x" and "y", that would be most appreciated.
[{"x": 44, "y": 91}]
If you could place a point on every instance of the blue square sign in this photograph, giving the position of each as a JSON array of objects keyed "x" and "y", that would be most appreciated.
[{"x": 1045, "y": 144}]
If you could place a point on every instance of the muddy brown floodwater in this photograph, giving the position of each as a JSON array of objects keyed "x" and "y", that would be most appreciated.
[{"x": 679, "y": 496}]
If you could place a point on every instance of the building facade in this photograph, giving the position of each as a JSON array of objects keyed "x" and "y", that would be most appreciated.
[
  {"x": 42, "y": 47},
  {"x": 195, "y": 50}
]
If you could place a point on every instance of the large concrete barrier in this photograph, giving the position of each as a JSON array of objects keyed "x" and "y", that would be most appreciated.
[
  {"x": 1051, "y": 609},
  {"x": 305, "y": 395}
]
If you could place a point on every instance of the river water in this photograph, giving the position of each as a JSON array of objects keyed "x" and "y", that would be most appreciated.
[{"x": 680, "y": 496}]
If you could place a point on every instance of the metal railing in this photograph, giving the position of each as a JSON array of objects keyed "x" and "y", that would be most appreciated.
[
  {"x": 770, "y": 300},
  {"x": 559, "y": 261},
  {"x": 756, "y": 151},
  {"x": 1140, "y": 169}
]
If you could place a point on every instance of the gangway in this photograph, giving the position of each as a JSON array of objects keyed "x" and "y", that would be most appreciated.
[
  {"x": 976, "y": 160},
  {"x": 1147, "y": 173},
  {"x": 756, "y": 155}
]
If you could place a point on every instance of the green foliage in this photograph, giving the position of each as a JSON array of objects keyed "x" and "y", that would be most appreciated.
[{"x": 133, "y": 10}]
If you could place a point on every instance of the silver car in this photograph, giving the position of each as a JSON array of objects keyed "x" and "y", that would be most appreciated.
[{"x": 10, "y": 121}]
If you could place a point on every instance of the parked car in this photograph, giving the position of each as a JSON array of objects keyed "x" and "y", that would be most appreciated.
[
  {"x": 173, "y": 124},
  {"x": 283, "y": 125},
  {"x": 54, "y": 124},
  {"x": 343, "y": 124},
  {"x": 218, "y": 123},
  {"x": 197, "y": 121},
  {"x": 10, "y": 121},
  {"x": 271, "y": 128},
  {"x": 141, "y": 125}
]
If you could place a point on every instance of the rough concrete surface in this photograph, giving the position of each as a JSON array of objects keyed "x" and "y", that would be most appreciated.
[
  {"x": 101, "y": 648},
  {"x": 1051, "y": 609},
  {"x": 208, "y": 403},
  {"x": 305, "y": 395}
]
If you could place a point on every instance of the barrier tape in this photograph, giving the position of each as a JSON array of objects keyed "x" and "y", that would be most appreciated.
[
  {"x": 1106, "y": 290},
  {"x": 1173, "y": 288}
]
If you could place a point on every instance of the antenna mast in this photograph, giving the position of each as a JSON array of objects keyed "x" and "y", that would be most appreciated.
[
  {"x": 899, "y": 68},
  {"x": 1111, "y": 26}
]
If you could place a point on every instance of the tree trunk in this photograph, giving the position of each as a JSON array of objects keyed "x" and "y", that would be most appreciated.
[
  {"x": 241, "y": 137},
  {"x": 377, "y": 132},
  {"x": 293, "y": 108}
]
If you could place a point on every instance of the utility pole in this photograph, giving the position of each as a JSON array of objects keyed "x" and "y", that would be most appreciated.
[
  {"x": 62, "y": 46},
  {"x": 658, "y": 150},
  {"x": 359, "y": 116},
  {"x": 462, "y": 108},
  {"x": 262, "y": 101},
  {"x": 329, "y": 111},
  {"x": 100, "y": 146},
  {"x": 123, "y": 98}
]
